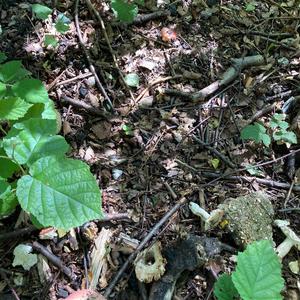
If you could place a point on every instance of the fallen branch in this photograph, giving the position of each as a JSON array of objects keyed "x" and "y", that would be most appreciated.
[
  {"x": 238, "y": 65},
  {"x": 54, "y": 260}
]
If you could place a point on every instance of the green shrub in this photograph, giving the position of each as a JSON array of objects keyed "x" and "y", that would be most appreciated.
[
  {"x": 257, "y": 275},
  {"x": 35, "y": 172}
]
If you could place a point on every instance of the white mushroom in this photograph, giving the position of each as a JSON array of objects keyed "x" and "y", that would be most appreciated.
[
  {"x": 210, "y": 220},
  {"x": 291, "y": 238}
]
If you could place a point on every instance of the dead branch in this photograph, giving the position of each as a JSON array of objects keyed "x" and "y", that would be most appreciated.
[
  {"x": 238, "y": 64},
  {"x": 17, "y": 233},
  {"x": 54, "y": 259}
]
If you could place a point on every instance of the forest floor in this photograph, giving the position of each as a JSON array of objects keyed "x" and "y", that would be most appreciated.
[{"x": 156, "y": 142}]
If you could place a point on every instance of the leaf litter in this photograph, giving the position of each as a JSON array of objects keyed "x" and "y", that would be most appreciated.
[{"x": 141, "y": 150}]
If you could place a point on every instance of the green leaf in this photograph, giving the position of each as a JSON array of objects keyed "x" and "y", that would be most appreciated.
[
  {"x": 258, "y": 273},
  {"x": 124, "y": 11},
  {"x": 215, "y": 163},
  {"x": 250, "y": 7},
  {"x": 286, "y": 136},
  {"x": 31, "y": 90},
  {"x": 277, "y": 120},
  {"x": 60, "y": 192},
  {"x": 8, "y": 167},
  {"x": 224, "y": 288},
  {"x": 252, "y": 170},
  {"x": 3, "y": 57},
  {"x": 12, "y": 71},
  {"x": 132, "y": 79},
  {"x": 28, "y": 141},
  {"x": 50, "y": 40},
  {"x": 61, "y": 24},
  {"x": 2, "y": 90},
  {"x": 257, "y": 133},
  {"x": 8, "y": 200},
  {"x": 41, "y": 11},
  {"x": 13, "y": 108}
]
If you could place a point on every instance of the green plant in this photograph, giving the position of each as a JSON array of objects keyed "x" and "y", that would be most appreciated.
[
  {"x": 257, "y": 275},
  {"x": 35, "y": 172},
  {"x": 125, "y": 10},
  {"x": 61, "y": 25},
  {"x": 278, "y": 129}
]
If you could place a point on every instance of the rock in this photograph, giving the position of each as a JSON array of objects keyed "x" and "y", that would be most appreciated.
[{"x": 249, "y": 218}]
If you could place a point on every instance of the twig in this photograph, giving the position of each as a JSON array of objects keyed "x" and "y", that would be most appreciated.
[
  {"x": 54, "y": 259},
  {"x": 3, "y": 275},
  {"x": 115, "y": 217},
  {"x": 267, "y": 109},
  {"x": 216, "y": 152},
  {"x": 148, "y": 237},
  {"x": 140, "y": 19},
  {"x": 17, "y": 233},
  {"x": 81, "y": 104},
  {"x": 100, "y": 20},
  {"x": 67, "y": 81},
  {"x": 91, "y": 67},
  {"x": 289, "y": 209},
  {"x": 267, "y": 182}
]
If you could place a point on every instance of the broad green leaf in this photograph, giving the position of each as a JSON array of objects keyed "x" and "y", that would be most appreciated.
[
  {"x": 61, "y": 24},
  {"x": 277, "y": 120},
  {"x": 3, "y": 57},
  {"x": 124, "y": 11},
  {"x": 256, "y": 132},
  {"x": 7, "y": 166},
  {"x": 23, "y": 257},
  {"x": 13, "y": 108},
  {"x": 224, "y": 288},
  {"x": 60, "y": 192},
  {"x": 8, "y": 199},
  {"x": 258, "y": 273},
  {"x": 250, "y": 7},
  {"x": 286, "y": 136},
  {"x": 28, "y": 141},
  {"x": 132, "y": 79},
  {"x": 12, "y": 71},
  {"x": 31, "y": 90},
  {"x": 41, "y": 11},
  {"x": 50, "y": 40},
  {"x": 2, "y": 90}
]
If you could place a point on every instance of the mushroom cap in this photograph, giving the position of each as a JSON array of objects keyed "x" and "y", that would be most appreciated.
[{"x": 288, "y": 232}]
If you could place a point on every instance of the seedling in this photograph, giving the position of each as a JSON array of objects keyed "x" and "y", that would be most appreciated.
[{"x": 278, "y": 131}]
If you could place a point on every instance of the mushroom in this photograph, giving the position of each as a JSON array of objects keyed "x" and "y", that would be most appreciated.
[
  {"x": 291, "y": 238},
  {"x": 210, "y": 220}
]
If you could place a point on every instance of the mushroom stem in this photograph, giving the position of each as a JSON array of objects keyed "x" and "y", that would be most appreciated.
[
  {"x": 284, "y": 248},
  {"x": 199, "y": 211}
]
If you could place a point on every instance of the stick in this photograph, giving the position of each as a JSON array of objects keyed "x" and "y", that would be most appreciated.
[
  {"x": 216, "y": 152},
  {"x": 142, "y": 244},
  {"x": 17, "y": 233},
  {"x": 91, "y": 67},
  {"x": 54, "y": 259},
  {"x": 81, "y": 104},
  {"x": 238, "y": 65},
  {"x": 267, "y": 182}
]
